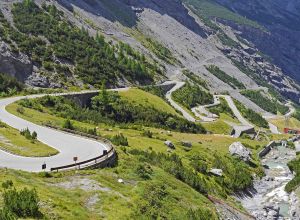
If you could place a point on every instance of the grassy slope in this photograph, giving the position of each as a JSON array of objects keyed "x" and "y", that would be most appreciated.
[
  {"x": 134, "y": 135},
  {"x": 116, "y": 201},
  {"x": 13, "y": 142},
  {"x": 208, "y": 9},
  {"x": 123, "y": 196},
  {"x": 146, "y": 99},
  {"x": 220, "y": 126},
  {"x": 280, "y": 123}
]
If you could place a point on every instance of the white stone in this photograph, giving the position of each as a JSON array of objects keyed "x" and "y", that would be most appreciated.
[{"x": 238, "y": 149}]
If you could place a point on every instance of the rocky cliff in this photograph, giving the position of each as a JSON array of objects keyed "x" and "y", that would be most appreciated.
[{"x": 281, "y": 39}]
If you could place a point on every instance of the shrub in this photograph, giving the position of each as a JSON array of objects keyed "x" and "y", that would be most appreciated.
[
  {"x": 21, "y": 110},
  {"x": 144, "y": 171},
  {"x": 68, "y": 124},
  {"x": 26, "y": 133},
  {"x": 9, "y": 85},
  {"x": 2, "y": 125},
  {"x": 19, "y": 204},
  {"x": 152, "y": 201},
  {"x": 23, "y": 204},
  {"x": 148, "y": 134},
  {"x": 200, "y": 214},
  {"x": 294, "y": 166},
  {"x": 119, "y": 139}
]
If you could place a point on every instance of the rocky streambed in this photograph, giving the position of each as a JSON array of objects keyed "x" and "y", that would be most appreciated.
[{"x": 268, "y": 199}]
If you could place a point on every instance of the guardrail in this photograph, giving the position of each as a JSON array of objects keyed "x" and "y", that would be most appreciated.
[{"x": 107, "y": 156}]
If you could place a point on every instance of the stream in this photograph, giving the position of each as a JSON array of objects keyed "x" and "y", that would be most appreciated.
[{"x": 268, "y": 199}]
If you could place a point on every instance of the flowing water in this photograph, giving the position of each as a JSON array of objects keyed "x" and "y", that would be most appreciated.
[{"x": 269, "y": 199}]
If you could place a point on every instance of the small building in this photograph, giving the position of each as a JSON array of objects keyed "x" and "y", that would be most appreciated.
[
  {"x": 239, "y": 130},
  {"x": 291, "y": 131}
]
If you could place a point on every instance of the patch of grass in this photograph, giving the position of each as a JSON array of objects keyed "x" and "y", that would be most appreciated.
[
  {"x": 218, "y": 127},
  {"x": 13, "y": 142},
  {"x": 281, "y": 124},
  {"x": 210, "y": 9},
  {"x": 124, "y": 196},
  {"x": 141, "y": 97}
]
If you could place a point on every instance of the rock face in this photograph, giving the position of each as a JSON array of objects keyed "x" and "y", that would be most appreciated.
[
  {"x": 17, "y": 65},
  {"x": 281, "y": 40},
  {"x": 239, "y": 150}
]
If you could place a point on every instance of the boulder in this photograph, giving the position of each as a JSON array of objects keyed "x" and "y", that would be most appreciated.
[
  {"x": 186, "y": 144},
  {"x": 169, "y": 144},
  {"x": 239, "y": 150},
  {"x": 217, "y": 172}
]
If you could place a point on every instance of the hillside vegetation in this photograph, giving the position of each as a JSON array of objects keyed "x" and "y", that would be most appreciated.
[
  {"x": 192, "y": 95},
  {"x": 159, "y": 182},
  {"x": 264, "y": 102},
  {"x": 94, "y": 59},
  {"x": 111, "y": 108},
  {"x": 294, "y": 166},
  {"x": 9, "y": 85},
  {"x": 209, "y": 9},
  {"x": 251, "y": 115},
  {"x": 233, "y": 82}
]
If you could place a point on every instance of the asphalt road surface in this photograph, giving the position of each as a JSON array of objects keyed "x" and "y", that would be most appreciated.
[{"x": 68, "y": 145}]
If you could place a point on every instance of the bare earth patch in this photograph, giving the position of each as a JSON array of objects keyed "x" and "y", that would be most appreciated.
[{"x": 82, "y": 183}]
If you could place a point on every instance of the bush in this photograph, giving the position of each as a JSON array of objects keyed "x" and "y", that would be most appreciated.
[
  {"x": 148, "y": 134},
  {"x": 9, "y": 85},
  {"x": 26, "y": 133},
  {"x": 21, "y": 110},
  {"x": 68, "y": 125},
  {"x": 119, "y": 139},
  {"x": 152, "y": 201},
  {"x": 294, "y": 166},
  {"x": 19, "y": 204},
  {"x": 144, "y": 171}
]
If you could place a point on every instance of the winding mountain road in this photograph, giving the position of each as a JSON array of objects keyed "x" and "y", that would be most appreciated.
[
  {"x": 177, "y": 86},
  {"x": 68, "y": 145}
]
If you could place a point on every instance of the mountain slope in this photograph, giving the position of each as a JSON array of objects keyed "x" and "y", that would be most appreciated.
[
  {"x": 281, "y": 20},
  {"x": 167, "y": 37}
]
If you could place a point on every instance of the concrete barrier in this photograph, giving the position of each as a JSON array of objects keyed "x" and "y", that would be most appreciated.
[{"x": 267, "y": 149}]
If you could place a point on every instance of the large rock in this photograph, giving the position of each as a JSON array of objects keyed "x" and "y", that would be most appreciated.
[
  {"x": 239, "y": 150},
  {"x": 17, "y": 65},
  {"x": 169, "y": 144},
  {"x": 217, "y": 172}
]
